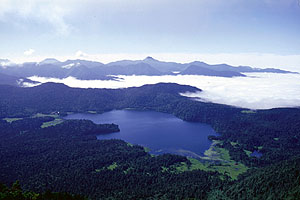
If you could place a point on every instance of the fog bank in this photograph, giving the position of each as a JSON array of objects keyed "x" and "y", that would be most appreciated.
[{"x": 256, "y": 91}]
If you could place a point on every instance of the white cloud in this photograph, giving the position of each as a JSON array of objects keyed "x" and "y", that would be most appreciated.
[
  {"x": 257, "y": 91},
  {"x": 29, "y": 52},
  {"x": 81, "y": 54},
  {"x": 69, "y": 66},
  {"x": 5, "y": 63},
  {"x": 52, "y": 12}
]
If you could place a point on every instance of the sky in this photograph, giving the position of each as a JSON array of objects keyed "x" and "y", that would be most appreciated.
[{"x": 260, "y": 33}]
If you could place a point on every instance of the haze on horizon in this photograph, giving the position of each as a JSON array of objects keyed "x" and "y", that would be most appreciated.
[
  {"x": 259, "y": 33},
  {"x": 256, "y": 91}
]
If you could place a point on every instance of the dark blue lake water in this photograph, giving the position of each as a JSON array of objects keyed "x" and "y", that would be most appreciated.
[
  {"x": 162, "y": 133},
  {"x": 256, "y": 154}
]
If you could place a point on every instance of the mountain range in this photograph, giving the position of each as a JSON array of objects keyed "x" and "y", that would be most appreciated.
[{"x": 90, "y": 70}]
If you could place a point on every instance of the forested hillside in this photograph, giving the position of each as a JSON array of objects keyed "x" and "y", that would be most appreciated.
[
  {"x": 16, "y": 192},
  {"x": 278, "y": 181},
  {"x": 67, "y": 157},
  {"x": 275, "y": 133}
]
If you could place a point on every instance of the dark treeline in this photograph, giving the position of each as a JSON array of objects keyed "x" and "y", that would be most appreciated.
[
  {"x": 49, "y": 97},
  {"x": 277, "y": 181},
  {"x": 16, "y": 193}
]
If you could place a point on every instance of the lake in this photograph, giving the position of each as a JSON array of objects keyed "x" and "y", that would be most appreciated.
[
  {"x": 160, "y": 132},
  {"x": 256, "y": 154}
]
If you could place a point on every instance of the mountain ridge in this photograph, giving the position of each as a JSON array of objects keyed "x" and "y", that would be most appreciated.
[
  {"x": 92, "y": 70},
  {"x": 14, "y": 81}
]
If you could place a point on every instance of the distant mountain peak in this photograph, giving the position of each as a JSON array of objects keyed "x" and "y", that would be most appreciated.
[
  {"x": 76, "y": 60},
  {"x": 4, "y": 60},
  {"x": 150, "y": 58},
  {"x": 49, "y": 61},
  {"x": 52, "y": 85}
]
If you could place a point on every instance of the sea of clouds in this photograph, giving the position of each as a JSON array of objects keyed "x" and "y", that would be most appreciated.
[{"x": 256, "y": 91}]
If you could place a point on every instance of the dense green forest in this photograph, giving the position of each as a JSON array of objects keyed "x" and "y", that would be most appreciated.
[
  {"x": 278, "y": 181},
  {"x": 16, "y": 193},
  {"x": 67, "y": 157}
]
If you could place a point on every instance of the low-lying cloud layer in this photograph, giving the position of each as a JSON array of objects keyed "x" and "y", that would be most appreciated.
[{"x": 257, "y": 91}]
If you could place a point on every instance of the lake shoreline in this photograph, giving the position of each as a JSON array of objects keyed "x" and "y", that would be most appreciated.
[{"x": 163, "y": 132}]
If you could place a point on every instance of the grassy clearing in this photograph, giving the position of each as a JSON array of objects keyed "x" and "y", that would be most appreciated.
[
  {"x": 56, "y": 121},
  {"x": 129, "y": 144},
  {"x": 232, "y": 169},
  {"x": 45, "y": 115},
  {"x": 259, "y": 147},
  {"x": 10, "y": 120},
  {"x": 217, "y": 159},
  {"x": 234, "y": 143},
  {"x": 228, "y": 166},
  {"x": 223, "y": 153},
  {"x": 164, "y": 169},
  {"x": 127, "y": 170},
  {"x": 112, "y": 166},
  {"x": 147, "y": 149},
  {"x": 248, "y": 111},
  {"x": 51, "y": 123},
  {"x": 196, "y": 165},
  {"x": 92, "y": 112},
  {"x": 247, "y": 152}
]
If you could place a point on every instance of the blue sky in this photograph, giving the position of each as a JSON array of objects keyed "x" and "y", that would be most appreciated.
[{"x": 111, "y": 29}]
